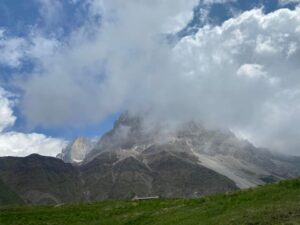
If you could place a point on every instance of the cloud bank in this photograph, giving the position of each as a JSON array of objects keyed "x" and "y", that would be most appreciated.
[
  {"x": 21, "y": 144},
  {"x": 76, "y": 85},
  {"x": 243, "y": 75}
]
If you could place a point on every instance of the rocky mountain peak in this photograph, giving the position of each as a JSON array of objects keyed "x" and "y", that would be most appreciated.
[
  {"x": 77, "y": 150},
  {"x": 128, "y": 120},
  {"x": 190, "y": 161},
  {"x": 217, "y": 149}
]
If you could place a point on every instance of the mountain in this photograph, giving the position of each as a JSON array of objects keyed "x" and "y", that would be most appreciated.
[
  {"x": 133, "y": 160},
  {"x": 41, "y": 180},
  {"x": 218, "y": 150},
  {"x": 157, "y": 171},
  {"x": 76, "y": 151},
  {"x": 7, "y": 196},
  {"x": 45, "y": 180}
]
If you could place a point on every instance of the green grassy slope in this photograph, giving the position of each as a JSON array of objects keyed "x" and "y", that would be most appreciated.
[{"x": 271, "y": 204}]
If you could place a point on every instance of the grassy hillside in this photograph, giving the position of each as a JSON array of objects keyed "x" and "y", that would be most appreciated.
[{"x": 271, "y": 204}]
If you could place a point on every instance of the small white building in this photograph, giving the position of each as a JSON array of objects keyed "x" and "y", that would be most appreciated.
[{"x": 136, "y": 198}]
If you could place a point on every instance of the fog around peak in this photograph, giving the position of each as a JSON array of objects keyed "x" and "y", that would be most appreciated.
[{"x": 240, "y": 75}]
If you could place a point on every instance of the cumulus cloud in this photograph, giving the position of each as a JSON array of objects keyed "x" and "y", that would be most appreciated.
[
  {"x": 247, "y": 75},
  {"x": 242, "y": 75},
  {"x": 75, "y": 86},
  {"x": 21, "y": 144}
]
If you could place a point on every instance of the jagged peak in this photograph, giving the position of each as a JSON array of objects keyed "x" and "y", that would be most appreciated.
[{"x": 76, "y": 150}]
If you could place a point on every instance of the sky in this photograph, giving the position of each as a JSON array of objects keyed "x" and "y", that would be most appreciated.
[{"x": 69, "y": 68}]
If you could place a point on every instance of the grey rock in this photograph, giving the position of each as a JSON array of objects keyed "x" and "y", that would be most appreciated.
[
  {"x": 130, "y": 161},
  {"x": 77, "y": 150}
]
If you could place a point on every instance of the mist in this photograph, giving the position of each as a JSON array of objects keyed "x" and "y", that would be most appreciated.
[{"x": 242, "y": 75}]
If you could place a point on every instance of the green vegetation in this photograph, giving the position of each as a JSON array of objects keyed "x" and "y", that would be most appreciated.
[{"x": 271, "y": 204}]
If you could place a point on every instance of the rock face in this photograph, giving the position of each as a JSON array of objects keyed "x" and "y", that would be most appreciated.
[
  {"x": 220, "y": 151},
  {"x": 133, "y": 161},
  {"x": 156, "y": 171},
  {"x": 76, "y": 151}
]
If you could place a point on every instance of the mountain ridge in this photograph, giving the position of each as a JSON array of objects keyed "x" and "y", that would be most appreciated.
[{"x": 130, "y": 160}]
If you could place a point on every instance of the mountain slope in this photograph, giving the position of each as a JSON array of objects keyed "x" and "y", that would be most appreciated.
[
  {"x": 152, "y": 173},
  {"x": 41, "y": 180},
  {"x": 220, "y": 151},
  {"x": 7, "y": 196},
  {"x": 45, "y": 180},
  {"x": 132, "y": 160},
  {"x": 268, "y": 205}
]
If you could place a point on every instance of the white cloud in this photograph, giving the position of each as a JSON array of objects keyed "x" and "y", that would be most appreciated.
[
  {"x": 21, "y": 144},
  {"x": 7, "y": 118},
  {"x": 42, "y": 47},
  {"x": 17, "y": 50},
  {"x": 178, "y": 22},
  {"x": 74, "y": 87},
  {"x": 235, "y": 75},
  {"x": 51, "y": 11},
  {"x": 251, "y": 71},
  {"x": 12, "y": 50},
  {"x": 262, "y": 50}
]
